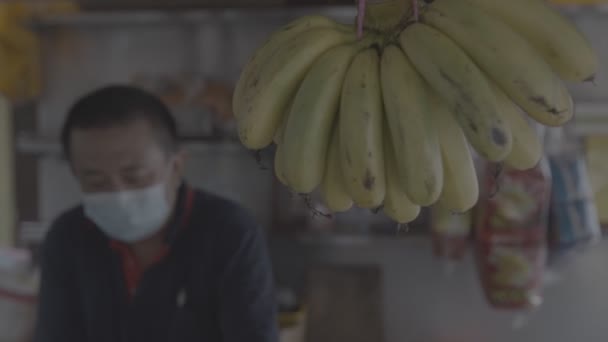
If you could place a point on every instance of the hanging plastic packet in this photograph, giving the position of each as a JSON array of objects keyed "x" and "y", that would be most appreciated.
[
  {"x": 19, "y": 284},
  {"x": 574, "y": 218},
  {"x": 512, "y": 273},
  {"x": 596, "y": 146},
  {"x": 450, "y": 233},
  {"x": 511, "y": 229},
  {"x": 522, "y": 318}
]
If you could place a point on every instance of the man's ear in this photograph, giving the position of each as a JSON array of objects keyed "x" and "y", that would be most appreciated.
[{"x": 179, "y": 161}]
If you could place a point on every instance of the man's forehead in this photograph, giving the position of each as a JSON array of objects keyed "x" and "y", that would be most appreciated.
[
  {"x": 127, "y": 133},
  {"x": 128, "y": 127},
  {"x": 132, "y": 141}
]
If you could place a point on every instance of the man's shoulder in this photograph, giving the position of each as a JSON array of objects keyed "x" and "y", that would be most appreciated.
[
  {"x": 218, "y": 213},
  {"x": 212, "y": 207},
  {"x": 228, "y": 228},
  {"x": 66, "y": 225}
]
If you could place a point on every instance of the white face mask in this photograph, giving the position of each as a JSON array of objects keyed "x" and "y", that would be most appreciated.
[{"x": 129, "y": 216}]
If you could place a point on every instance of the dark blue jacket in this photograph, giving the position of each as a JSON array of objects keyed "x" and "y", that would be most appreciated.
[{"x": 215, "y": 284}]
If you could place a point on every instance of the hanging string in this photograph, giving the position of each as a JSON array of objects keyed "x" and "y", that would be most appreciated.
[{"x": 360, "y": 18}]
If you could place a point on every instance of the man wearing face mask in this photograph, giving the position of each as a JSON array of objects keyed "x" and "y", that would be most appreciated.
[{"x": 146, "y": 257}]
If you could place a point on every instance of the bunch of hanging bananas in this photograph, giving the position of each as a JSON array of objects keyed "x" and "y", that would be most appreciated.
[
  {"x": 21, "y": 77},
  {"x": 386, "y": 119}
]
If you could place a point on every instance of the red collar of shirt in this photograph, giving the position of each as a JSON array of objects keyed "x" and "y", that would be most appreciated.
[{"x": 132, "y": 270}]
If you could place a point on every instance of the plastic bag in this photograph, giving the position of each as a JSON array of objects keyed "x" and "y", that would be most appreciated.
[
  {"x": 511, "y": 228},
  {"x": 574, "y": 218},
  {"x": 18, "y": 295}
]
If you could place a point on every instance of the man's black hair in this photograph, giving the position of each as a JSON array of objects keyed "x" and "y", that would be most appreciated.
[{"x": 119, "y": 104}]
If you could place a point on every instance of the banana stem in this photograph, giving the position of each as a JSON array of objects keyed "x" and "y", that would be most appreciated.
[
  {"x": 415, "y": 7},
  {"x": 383, "y": 15}
]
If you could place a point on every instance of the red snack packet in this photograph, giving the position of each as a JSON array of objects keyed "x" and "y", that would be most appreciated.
[
  {"x": 511, "y": 234},
  {"x": 512, "y": 274},
  {"x": 514, "y": 204}
]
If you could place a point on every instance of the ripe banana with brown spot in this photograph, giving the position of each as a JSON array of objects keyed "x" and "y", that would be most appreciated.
[
  {"x": 279, "y": 134},
  {"x": 270, "y": 47},
  {"x": 279, "y": 165},
  {"x": 333, "y": 192},
  {"x": 460, "y": 188},
  {"x": 264, "y": 100},
  {"x": 506, "y": 57},
  {"x": 314, "y": 110},
  {"x": 450, "y": 71},
  {"x": 361, "y": 129},
  {"x": 279, "y": 158},
  {"x": 527, "y": 148},
  {"x": 557, "y": 40},
  {"x": 414, "y": 136},
  {"x": 397, "y": 204}
]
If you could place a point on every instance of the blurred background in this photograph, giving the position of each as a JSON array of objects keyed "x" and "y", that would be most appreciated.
[{"x": 348, "y": 277}]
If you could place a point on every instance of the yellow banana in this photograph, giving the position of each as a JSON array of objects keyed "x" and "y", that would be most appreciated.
[
  {"x": 13, "y": 14},
  {"x": 21, "y": 46},
  {"x": 556, "y": 39},
  {"x": 460, "y": 187},
  {"x": 361, "y": 117},
  {"x": 279, "y": 165},
  {"x": 269, "y": 48},
  {"x": 445, "y": 224},
  {"x": 279, "y": 134},
  {"x": 265, "y": 98},
  {"x": 462, "y": 85},
  {"x": 527, "y": 148},
  {"x": 333, "y": 192},
  {"x": 312, "y": 115},
  {"x": 12, "y": 79},
  {"x": 414, "y": 137},
  {"x": 397, "y": 205},
  {"x": 279, "y": 159},
  {"x": 22, "y": 50},
  {"x": 506, "y": 57}
]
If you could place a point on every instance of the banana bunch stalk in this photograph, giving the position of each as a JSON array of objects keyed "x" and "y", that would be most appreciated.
[{"x": 389, "y": 118}]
